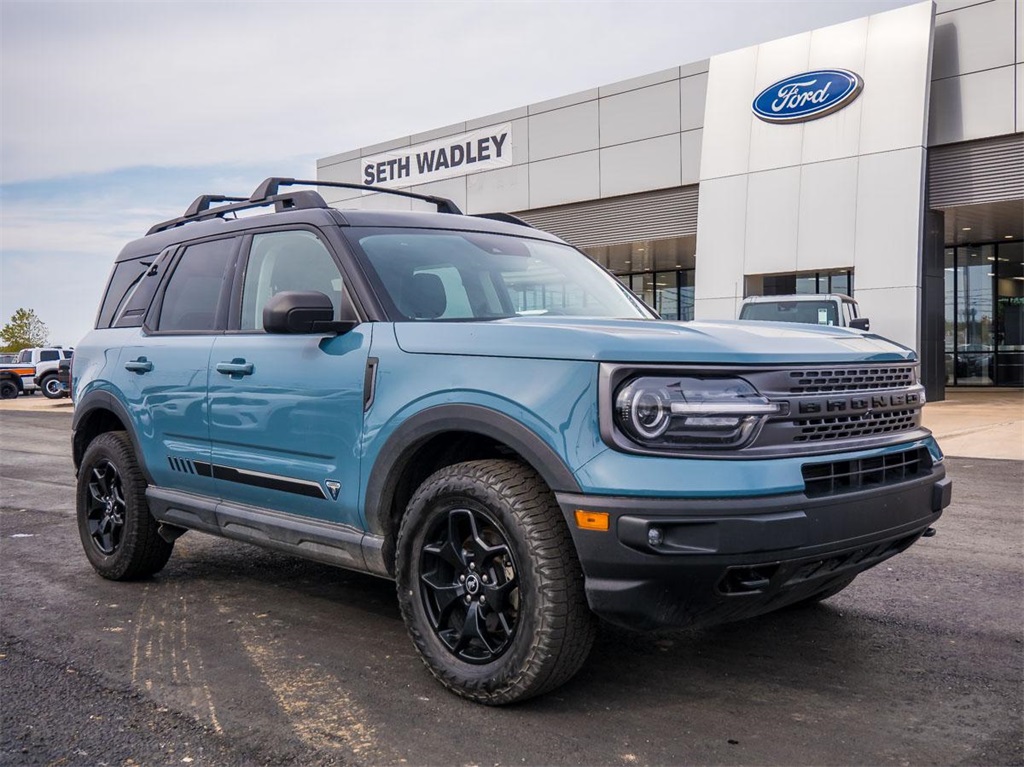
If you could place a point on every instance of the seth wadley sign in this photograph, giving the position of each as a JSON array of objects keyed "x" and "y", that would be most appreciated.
[{"x": 479, "y": 150}]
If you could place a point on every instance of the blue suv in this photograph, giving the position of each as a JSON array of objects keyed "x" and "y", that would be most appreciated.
[{"x": 475, "y": 409}]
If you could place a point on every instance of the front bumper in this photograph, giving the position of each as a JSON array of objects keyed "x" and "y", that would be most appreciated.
[{"x": 726, "y": 559}]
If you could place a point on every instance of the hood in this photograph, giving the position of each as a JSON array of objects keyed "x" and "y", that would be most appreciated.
[{"x": 649, "y": 341}]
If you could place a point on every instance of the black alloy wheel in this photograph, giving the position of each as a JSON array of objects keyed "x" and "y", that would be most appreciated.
[
  {"x": 121, "y": 538},
  {"x": 470, "y": 586},
  {"x": 106, "y": 507},
  {"x": 489, "y": 584}
]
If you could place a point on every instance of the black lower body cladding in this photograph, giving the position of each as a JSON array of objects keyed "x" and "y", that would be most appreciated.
[{"x": 675, "y": 562}]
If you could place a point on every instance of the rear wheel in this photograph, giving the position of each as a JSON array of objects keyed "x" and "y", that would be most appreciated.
[
  {"x": 118, "y": 532},
  {"x": 51, "y": 386},
  {"x": 8, "y": 390},
  {"x": 489, "y": 584}
]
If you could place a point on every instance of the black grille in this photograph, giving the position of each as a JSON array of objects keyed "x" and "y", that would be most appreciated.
[
  {"x": 845, "y": 476},
  {"x": 828, "y": 380},
  {"x": 846, "y": 426}
]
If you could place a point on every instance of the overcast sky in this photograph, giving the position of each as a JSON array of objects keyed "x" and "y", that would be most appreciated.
[{"x": 116, "y": 115}]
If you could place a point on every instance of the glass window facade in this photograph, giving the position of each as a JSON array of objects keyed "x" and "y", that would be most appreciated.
[
  {"x": 814, "y": 283},
  {"x": 661, "y": 272},
  {"x": 670, "y": 294},
  {"x": 984, "y": 314}
]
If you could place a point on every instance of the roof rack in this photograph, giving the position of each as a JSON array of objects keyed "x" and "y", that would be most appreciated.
[
  {"x": 270, "y": 187},
  {"x": 199, "y": 210},
  {"x": 267, "y": 192},
  {"x": 506, "y": 218},
  {"x": 202, "y": 202}
]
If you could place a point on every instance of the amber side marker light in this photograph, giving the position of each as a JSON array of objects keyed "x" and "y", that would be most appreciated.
[{"x": 592, "y": 520}]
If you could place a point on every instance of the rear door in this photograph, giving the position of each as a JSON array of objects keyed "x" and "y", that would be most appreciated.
[
  {"x": 287, "y": 410},
  {"x": 164, "y": 376}
]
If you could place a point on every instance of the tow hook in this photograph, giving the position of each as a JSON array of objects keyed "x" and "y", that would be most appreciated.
[{"x": 929, "y": 533}]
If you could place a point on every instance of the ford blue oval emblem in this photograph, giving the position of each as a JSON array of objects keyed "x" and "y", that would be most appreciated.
[{"x": 807, "y": 96}]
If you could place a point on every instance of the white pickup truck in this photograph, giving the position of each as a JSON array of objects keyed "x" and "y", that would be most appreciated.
[
  {"x": 814, "y": 309},
  {"x": 37, "y": 368}
]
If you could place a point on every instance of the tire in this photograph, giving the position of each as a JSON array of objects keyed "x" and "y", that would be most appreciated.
[
  {"x": 8, "y": 390},
  {"x": 829, "y": 591},
  {"x": 513, "y": 549},
  {"x": 50, "y": 386},
  {"x": 118, "y": 533}
]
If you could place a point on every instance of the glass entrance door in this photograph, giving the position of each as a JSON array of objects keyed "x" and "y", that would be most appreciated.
[
  {"x": 985, "y": 315},
  {"x": 1010, "y": 315}
]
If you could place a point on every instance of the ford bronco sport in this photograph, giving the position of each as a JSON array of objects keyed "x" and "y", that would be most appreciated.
[{"x": 471, "y": 407}]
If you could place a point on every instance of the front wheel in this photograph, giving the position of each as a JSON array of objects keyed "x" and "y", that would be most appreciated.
[
  {"x": 489, "y": 584},
  {"x": 51, "y": 387},
  {"x": 118, "y": 532}
]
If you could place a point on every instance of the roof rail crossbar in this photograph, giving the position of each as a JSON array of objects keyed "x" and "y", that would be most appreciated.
[
  {"x": 203, "y": 201},
  {"x": 507, "y": 218},
  {"x": 300, "y": 199},
  {"x": 270, "y": 187}
]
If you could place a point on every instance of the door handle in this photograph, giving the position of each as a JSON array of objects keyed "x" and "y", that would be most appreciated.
[
  {"x": 141, "y": 365},
  {"x": 237, "y": 368}
]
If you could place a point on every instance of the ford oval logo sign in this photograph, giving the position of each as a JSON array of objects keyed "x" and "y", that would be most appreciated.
[{"x": 807, "y": 96}]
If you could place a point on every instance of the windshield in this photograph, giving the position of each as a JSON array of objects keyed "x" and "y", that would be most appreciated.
[
  {"x": 427, "y": 274},
  {"x": 811, "y": 312}
]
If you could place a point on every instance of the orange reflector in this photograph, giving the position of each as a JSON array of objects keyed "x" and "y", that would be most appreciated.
[{"x": 591, "y": 520}]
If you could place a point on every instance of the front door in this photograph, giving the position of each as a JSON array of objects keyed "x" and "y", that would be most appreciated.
[{"x": 286, "y": 411}]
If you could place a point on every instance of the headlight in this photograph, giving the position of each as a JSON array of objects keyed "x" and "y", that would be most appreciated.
[{"x": 686, "y": 413}]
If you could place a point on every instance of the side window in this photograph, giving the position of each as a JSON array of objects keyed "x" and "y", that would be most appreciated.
[
  {"x": 49, "y": 355},
  {"x": 68, "y": 353},
  {"x": 193, "y": 294},
  {"x": 126, "y": 275},
  {"x": 132, "y": 310},
  {"x": 280, "y": 261}
]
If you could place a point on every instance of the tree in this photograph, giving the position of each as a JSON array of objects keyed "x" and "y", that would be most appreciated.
[{"x": 23, "y": 331}]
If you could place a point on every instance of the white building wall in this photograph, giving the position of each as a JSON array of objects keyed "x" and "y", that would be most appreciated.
[
  {"x": 843, "y": 191},
  {"x": 977, "y": 71},
  {"x": 636, "y": 135}
]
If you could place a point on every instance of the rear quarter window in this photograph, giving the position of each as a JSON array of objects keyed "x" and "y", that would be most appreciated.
[{"x": 125, "y": 277}]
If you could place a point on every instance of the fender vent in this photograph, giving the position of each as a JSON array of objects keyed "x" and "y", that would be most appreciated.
[{"x": 182, "y": 465}]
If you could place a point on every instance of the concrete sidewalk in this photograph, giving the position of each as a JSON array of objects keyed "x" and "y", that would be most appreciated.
[
  {"x": 970, "y": 423},
  {"x": 979, "y": 423}
]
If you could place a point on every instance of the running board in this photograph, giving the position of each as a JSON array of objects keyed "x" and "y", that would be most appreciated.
[{"x": 327, "y": 542}]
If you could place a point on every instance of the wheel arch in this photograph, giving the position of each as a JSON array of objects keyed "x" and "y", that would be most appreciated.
[
  {"x": 96, "y": 413},
  {"x": 438, "y": 437}
]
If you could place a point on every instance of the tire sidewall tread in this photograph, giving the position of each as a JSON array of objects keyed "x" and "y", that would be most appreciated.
[
  {"x": 555, "y": 630},
  {"x": 142, "y": 551}
]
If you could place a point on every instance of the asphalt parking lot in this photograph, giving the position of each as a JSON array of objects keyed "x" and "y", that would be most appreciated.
[{"x": 235, "y": 655}]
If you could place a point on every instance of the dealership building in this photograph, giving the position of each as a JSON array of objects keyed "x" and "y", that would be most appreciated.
[{"x": 882, "y": 158}]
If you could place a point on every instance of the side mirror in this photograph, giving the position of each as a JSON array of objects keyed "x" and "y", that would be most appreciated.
[
  {"x": 293, "y": 311},
  {"x": 860, "y": 323}
]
